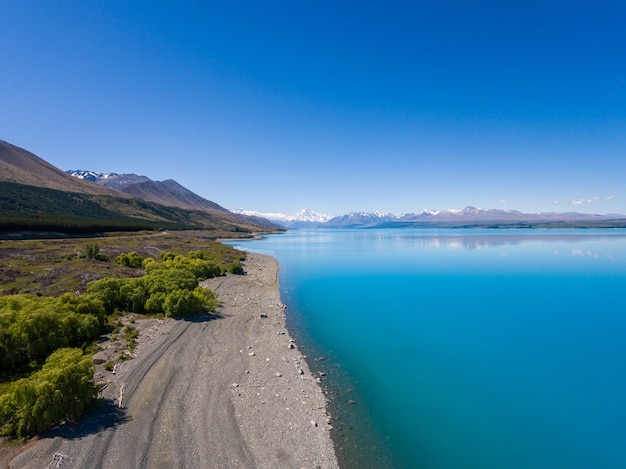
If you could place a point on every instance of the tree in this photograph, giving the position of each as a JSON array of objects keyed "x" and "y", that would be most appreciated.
[
  {"x": 63, "y": 389},
  {"x": 130, "y": 259}
]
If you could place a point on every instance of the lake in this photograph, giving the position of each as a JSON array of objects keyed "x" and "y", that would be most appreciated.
[{"x": 463, "y": 348}]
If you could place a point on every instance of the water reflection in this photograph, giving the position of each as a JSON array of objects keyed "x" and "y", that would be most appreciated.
[
  {"x": 321, "y": 240},
  {"x": 483, "y": 240}
]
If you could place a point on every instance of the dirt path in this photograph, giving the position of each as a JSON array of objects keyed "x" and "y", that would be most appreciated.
[{"x": 232, "y": 392}]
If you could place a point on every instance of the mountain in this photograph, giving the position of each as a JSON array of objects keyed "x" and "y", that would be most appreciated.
[
  {"x": 169, "y": 192},
  {"x": 469, "y": 217},
  {"x": 36, "y": 196},
  {"x": 23, "y": 167},
  {"x": 360, "y": 220},
  {"x": 472, "y": 217},
  {"x": 305, "y": 218},
  {"x": 114, "y": 180},
  {"x": 172, "y": 194}
]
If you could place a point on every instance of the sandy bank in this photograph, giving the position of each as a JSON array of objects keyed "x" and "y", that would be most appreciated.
[{"x": 232, "y": 392}]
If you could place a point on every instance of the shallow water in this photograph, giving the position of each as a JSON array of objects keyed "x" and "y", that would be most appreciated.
[{"x": 464, "y": 348}]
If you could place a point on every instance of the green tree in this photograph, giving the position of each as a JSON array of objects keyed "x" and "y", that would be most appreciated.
[
  {"x": 106, "y": 290},
  {"x": 130, "y": 259},
  {"x": 63, "y": 389}
]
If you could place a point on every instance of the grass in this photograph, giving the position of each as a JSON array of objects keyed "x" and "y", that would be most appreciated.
[{"x": 51, "y": 267}]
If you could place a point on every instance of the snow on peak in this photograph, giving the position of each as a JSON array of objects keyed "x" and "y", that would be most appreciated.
[{"x": 303, "y": 216}]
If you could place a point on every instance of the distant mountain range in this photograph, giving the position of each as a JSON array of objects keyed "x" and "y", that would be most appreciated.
[
  {"x": 469, "y": 217},
  {"x": 35, "y": 196},
  {"x": 114, "y": 180},
  {"x": 168, "y": 192},
  {"x": 305, "y": 218}
]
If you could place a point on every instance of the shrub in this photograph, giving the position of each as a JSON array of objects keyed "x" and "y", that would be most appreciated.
[
  {"x": 166, "y": 256},
  {"x": 107, "y": 290},
  {"x": 93, "y": 252},
  {"x": 31, "y": 328},
  {"x": 63, "y": 389},
  {"x": 236, "y": 268},
  {"x": 84, "y": 305},
  {"x": 130, "y": 259}
]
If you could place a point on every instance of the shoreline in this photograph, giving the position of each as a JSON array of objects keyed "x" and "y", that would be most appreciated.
[{"x": 231, "y": 390}]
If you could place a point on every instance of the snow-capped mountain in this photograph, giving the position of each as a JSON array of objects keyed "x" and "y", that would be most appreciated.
[
  {"x": 114, "y": 180},
  {"x": 305, "y": 218},
  {"x": 469, "y": 217},
  {"x": 168, "y": 193},
  {"x": 360, "y": 220},
  {"x": 485, "y": 217}
]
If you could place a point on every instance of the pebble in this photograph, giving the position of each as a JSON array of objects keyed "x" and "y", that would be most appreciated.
[
  {"x": 278, "y": 375},
  {"x": 251, "y": 354}
]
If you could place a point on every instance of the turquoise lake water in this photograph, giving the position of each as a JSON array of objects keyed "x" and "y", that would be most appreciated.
[{"x": 464, "y": 348}]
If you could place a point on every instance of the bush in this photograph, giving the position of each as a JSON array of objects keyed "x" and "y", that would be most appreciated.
[
  {"x": 181, "y": 303},
  {"x": 63, "y": 389},
  {"x": 84, "y": 305},
  {"x": 169, "y": 287},
  {"x": 130, "y": 334},
  {"x": 130, "y": 259},
  {"x": 93, "y": 252},
  {"x": 107, "y": 290},
  {"x": 31, "y": 328},
  {"x": 236, "y": 268}
]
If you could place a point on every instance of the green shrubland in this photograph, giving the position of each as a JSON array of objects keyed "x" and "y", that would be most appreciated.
[
  {"x": 31, "y": 327},
  {"x": 45, "y": 375},
  {"x": 62, "y": 389},
  {"x": 169, "y": 287},
  {"x": 130, "y": 259}
]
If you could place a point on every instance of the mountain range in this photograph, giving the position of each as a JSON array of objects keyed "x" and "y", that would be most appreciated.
[
  {"x": 36, "y": 196},
  {"x": 305, "y": 218},
  {"x": 168, "y": 192},
  {"x": 469, "y": 217}
]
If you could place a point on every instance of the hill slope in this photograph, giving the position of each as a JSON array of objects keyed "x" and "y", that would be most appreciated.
[
  {"x": 37, "y": 196},
  {"x": 23, "y": 167},
  {"x": 172, "y": 194}
]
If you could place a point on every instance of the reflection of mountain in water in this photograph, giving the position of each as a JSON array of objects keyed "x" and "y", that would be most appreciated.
[{"x": 483, "y": 241}]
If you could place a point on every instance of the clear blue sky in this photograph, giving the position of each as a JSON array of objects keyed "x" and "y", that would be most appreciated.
[{"x": 390, "y": 105}]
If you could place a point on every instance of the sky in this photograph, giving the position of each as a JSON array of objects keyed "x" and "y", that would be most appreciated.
[{"x": 337, "y": 106}]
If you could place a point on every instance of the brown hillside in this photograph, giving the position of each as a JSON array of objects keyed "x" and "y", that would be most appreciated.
[
  {"x": 172, "y": 194},
  {"x": 23, "y": 167}
]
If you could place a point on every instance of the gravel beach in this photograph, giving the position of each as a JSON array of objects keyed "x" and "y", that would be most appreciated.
[{"x": 226, "y": 392}]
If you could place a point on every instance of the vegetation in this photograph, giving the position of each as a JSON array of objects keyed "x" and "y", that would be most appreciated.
[
  {"x": 169, "y": 288},
  {"x": 93, "y": 252},
  {"x": 130, "y": 259},
  {"x": 62, "y": 389},
  {"x": 31, "y": 328},
  {"x": 131, "y": 333},
  {"x": 39, "y": 209},
  {"x": 46, "y": 376},
  {"x": 55, "y": 266}
]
